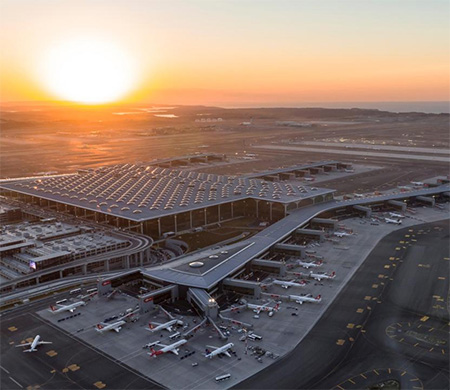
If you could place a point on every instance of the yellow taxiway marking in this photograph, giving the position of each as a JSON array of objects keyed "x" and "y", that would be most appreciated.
[
  {"x": 424, "y": 318},
  {"x": 401, "y": 242},
  {"x": 380, "y": 276},
  {"x": 443, "y": 351},
  {"x": 52, "y": 353},
  {"x": 401, "y": 340},
  {"x": 363, "y": 331},
  {"x": 359, "y": 310},
  {"x": 431, "y": 349},
  {"x": 413, "y": 380},
  {"x": 99, "y": 385},
  {"x": 413, "y": 240},
  {"x": 407, "y": 235},
  {"x": 12, "y": 328},
  {"x": 73, "y": 367},
  {"x": 367, "y": 298},
  {"x": 350, "y": 326},
  {"x": 340, "y": 387},
  {"x": 436, "y": 296},
  {"x": 430, "y": 330},
  {"x": 392, "y": 258},
  {"x": 376, "y": 372},
  {"x": 363, "y": 376},
  {"x": 441, "y": 278},
  {"x": 398, "y": 248},
  {"x": 52, "y": 371},
  {"x": 424, "y": 265},
  {"x": 389, "y": 370},
  {"x": 65, "y": 369},
  {"x": 340, "y": 342},
  {"x": 387, "y": 266},
  {"x": 352, "y": 381},
  {"x": 403, "y": 373},
  {"x": 447, "y": 258},
  {"x": 11, "y": 342},
  {"x": 416, "y": 344},
  {"x": 374, "y": 285},
  {"x": 29, "y": 339}
]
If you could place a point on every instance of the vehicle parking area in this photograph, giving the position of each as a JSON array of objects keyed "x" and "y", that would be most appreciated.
[{"x": 279, "y": 332}]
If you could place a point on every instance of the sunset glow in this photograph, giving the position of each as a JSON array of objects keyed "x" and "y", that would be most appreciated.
[
  {"x": 87, "y": 71},
  {"x": 225, "y": 52}
]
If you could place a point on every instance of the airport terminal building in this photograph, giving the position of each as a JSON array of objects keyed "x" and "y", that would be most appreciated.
[{"x": 155, "y": 200}]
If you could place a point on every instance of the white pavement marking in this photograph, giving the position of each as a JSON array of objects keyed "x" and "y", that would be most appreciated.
[
  {"x": 4, "y": 369},
  {"x": 17, "y": 383}
]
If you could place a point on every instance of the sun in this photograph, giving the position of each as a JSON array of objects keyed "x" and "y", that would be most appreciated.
[{"x": 88, "y": 71}]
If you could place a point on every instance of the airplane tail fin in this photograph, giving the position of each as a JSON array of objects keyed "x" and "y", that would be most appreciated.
[
  {"x": 333, "y": 274},
  {"x": 319, "y": 297},
  {"x": 100, "y": 326},
  {"x": 150, "y": 326},
  {"x": 53, "y": 308},
  {"x": 277, "y": 306}
]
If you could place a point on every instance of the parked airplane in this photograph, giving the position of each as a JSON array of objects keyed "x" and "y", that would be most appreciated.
[
  {"x": 37, "y": 341},
  {"x": 286, "y": 284},
  {"x": 305, "y": 298},
  {"x": 59, "y": 308},
  {"x": 167, "y": 326},
  {"x": 167, "y": 348},
  {"x": 322, "y": 275},
  {"x": 395, "y": 221},
  {"x": 309, "y": 178},
  {"x": 395, "y": 215},
  {"x": 219, "y": 350},
  {"x": 312, "y": 264},
  {"x": 417, "y": 183},
  {"x": 259, "y": 308},
  {"x": 349, "y": 170},
  {"x": 341, "y": 234},
  {"x": 116, "y": 326}
]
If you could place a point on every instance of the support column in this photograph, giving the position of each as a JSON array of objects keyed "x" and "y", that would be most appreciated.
[
  {"x": 84, "y": 269},
  {"x": 60, "y": 274},
  {"x": 257, "y": 209},
  {"x": 106, "y": 265},
  {"x": 270, "y": 210},
  {"x": 232, "y": 210},
  {"x": 218, "y": 212},
  {"x": 206, "y": 220},
  {"x": 190, "y": 219},
  {"x": 175, "y": 223}
]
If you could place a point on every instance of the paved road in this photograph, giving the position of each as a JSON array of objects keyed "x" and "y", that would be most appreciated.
[{"x": 390, "y": 322}]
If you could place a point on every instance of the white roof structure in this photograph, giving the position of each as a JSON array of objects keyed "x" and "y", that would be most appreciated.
[{"x": 141, "y": 192}]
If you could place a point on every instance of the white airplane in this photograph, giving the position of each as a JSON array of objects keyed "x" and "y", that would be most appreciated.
[
  {"x": 322, "y": 275},
  {"x": 349, "y": 170},
  {"x": 259, "y": 308},
  {"x": 395, "y": 221},
  {"x": 37, "y": 341},
  {"x": 61, "y": 308},
  {"x": 341, "y": 234},
  {"x": 395, "y": 215},
  {"x": 309, "y": 178},
  {"x": 359, "y": 195},
  {"x": 417, "y": 183},
  {"x": 167, "y": 348},
  {"x": 219, "y": 350},
  {"x": 305, "y": 298},
  {"x": 116, "y": 326},
  {"x": 167, "y": 326},
  {"x": 312, "y": 264},
  {"x": 286, "y": 284}
]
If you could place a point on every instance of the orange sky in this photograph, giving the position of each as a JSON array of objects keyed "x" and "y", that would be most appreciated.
[{"x": 232, "y": 52}]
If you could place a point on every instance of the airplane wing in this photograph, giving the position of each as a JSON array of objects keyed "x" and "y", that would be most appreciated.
[
  {"x": 226, "y": 353},
  {"x": 44, "y": 342},
  {"x": 211, "y": 347},
  {"x": 23, "y": 345},
  {"x": 175, "y": 351}
]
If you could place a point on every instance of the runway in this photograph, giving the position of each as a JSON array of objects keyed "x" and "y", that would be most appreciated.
[
  {"x": 67, "y": 363},
  {"x": 391, "y": 322}
]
